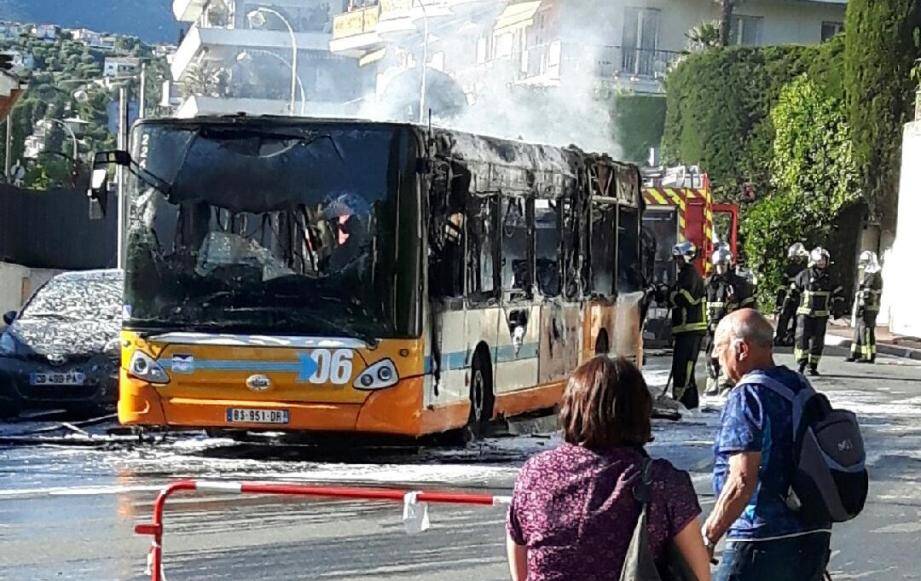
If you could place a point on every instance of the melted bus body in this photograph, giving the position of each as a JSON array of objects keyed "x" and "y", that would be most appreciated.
[{"x": 345, "y": 276}]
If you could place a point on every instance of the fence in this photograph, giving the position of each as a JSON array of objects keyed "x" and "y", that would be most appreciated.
[
  {"x": 52, "y": 229},
  {"x": 415, "y": 515}
]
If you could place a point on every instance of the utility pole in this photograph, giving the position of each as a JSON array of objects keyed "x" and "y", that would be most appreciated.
[{"x": 120, "y": 175}]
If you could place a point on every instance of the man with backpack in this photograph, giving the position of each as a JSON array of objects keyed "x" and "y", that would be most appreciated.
[{"x": 786, "y": 464}]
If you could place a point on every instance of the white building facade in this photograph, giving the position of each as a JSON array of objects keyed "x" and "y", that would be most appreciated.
[{"x": 239, "y": 56}]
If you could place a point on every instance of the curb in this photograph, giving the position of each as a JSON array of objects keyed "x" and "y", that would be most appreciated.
[{"x": 881, "y": 348}]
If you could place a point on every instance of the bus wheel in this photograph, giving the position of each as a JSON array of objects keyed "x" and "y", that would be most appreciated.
[
  {"x": 482, "y": 398},
  {"x": 601, "y": 343}
]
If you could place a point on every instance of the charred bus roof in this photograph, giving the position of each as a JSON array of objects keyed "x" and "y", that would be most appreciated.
[{"x": 557, "y": 164}]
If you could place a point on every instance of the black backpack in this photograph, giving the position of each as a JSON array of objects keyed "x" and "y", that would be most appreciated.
[{"x": 830, "y": 480}]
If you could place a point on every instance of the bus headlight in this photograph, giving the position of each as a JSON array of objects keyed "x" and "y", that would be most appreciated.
[
  {"x": 378, "y": 376},
  {"x": 144, "y": 367}
]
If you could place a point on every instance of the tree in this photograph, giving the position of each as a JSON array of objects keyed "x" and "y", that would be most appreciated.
[
  {"x": 883, "y": 43},
  {"x": 726, "y": 9}
]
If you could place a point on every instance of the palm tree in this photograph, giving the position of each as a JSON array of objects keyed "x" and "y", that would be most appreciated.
[{"x": 726, "y": 8}]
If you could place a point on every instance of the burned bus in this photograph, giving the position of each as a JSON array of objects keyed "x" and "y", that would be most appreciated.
[{"x": 290, "y": 274}]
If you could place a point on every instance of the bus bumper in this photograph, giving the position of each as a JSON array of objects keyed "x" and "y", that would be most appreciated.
[{"x": 396, "y": 411}]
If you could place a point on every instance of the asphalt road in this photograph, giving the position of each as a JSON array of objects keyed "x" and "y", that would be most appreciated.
[{"x": 69, "y": 513}]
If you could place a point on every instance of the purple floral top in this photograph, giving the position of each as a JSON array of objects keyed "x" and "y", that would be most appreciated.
[{"x": 574, "y": 510}]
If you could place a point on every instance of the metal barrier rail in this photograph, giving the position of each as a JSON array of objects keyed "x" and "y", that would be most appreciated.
[{"x": 155, "y": 527}]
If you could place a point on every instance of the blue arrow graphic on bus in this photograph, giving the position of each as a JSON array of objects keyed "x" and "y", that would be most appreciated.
[{"x": 306, "y": 367}]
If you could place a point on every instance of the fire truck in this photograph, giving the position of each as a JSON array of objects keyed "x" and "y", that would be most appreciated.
[{"x": 679, "y": 207}]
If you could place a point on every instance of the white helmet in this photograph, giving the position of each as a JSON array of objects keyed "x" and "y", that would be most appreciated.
[
  {"x": 686, "y": 250},
  {"x": 817, "y": 255},
  {"x": 869, "y": 262},
  {"x": 721, "y": 255},
  {"x": 797, "y": 250}
]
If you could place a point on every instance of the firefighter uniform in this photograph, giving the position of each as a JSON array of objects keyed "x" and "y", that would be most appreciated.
[
  {"x": 863, "y": 349},
  {"x": 689, "y": 325},
  {"x": 726, "y": 292},
  {"x": 816, "y": 296},
  {"x": 787, "y": 304}
]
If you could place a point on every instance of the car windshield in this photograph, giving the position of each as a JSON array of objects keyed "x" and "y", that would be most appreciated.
[
  {"x": 77, "y": 297},
  {"x": 285, "y": 229}
]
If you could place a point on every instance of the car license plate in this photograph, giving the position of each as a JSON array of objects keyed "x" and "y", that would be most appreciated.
[
  {"x": 62, "y": 378},
  {"x": 251, "y": 416}
]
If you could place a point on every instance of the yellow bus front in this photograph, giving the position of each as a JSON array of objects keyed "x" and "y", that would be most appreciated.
[{"x": 273, "y": 277}]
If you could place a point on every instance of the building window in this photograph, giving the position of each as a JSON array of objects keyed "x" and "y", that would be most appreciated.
[
  {"x": 640, "y": 40},
  {"x": 830, "y": 29},
  {"x": 746, "y": 30}
]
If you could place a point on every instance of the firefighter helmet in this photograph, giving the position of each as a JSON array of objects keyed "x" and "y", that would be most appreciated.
[
  {"x": 721, "y": 255},
  {"x": 869, "y": 262},
  {"x": 797, "y": 250},
  {"x": 686, "y": 250},
  {"x": 818, "y": 255}
]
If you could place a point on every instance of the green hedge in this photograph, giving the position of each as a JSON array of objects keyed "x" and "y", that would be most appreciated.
[
  {"x": 639, "y": 122},
  {"x": 884, "y": 37},
  {"x": 719, "y": 103}
]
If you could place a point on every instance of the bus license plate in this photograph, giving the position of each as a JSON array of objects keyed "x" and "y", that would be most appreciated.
[
  {"x": 64, "y": 378},
  {"x": 251, "y": 416}
]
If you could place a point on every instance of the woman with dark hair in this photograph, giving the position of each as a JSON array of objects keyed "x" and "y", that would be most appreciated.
[{"x": 573, "y": 511}]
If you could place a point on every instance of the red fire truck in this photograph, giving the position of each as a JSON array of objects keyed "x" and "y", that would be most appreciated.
[{"x": 679, "y": 206}]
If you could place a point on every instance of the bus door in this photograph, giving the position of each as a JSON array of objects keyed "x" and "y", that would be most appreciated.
[
  {"x": 662, "y": 223},
  {"x": 555, "y": 239}
]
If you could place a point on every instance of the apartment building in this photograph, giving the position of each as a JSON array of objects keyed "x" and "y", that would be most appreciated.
[
  {"x": 262, "y": 57},
  {"x": 629, "y": 44}
]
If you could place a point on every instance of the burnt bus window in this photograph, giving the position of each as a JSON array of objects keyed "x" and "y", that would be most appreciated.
[
  {"x": 629, "y": 265},
  {"x": 571, "y": 245},
  {"x": 481, "y": 249},
  {"x": 548, "y": 239},
  {"x": 516, "y": 247},
  {"x": 447, "y": 240},
  {"x": 604, "y": 226}
]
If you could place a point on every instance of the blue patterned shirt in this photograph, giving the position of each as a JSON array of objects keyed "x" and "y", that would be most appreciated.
[{"x": 755, "y": 419}]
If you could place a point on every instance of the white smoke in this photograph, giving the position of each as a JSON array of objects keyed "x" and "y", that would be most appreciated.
[{"x": 571, "y": 107}]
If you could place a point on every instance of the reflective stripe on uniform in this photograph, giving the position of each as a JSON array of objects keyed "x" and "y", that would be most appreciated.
[{"x": 688, "y": 327}]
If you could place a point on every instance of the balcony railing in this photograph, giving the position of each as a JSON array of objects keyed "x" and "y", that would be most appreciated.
[
  {"x": 617, "y": 61},
  {"x": 356, "y": 22},
  {"x": 550, "y": 61}
]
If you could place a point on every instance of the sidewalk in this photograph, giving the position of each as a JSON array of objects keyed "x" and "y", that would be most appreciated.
[{"x": 839, "y": 334}]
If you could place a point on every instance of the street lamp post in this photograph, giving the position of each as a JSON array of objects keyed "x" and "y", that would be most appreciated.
[
  {"x": 73, "y": 137},
  {"x": 257, "y": 18},
  {"x": 425, "y": 58},
  {"x": 247, "y": 55}
]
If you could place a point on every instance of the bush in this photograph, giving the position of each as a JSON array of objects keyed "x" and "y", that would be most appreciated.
[
  {"x": 884, "y": 40},
  {"x": 815, "y": 177},
  {"x": 719, "y": 103},
  {"x": 639, "y": 122}
]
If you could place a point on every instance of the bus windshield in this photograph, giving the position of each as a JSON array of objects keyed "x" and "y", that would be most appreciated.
[{"x": 266, "y": 228}]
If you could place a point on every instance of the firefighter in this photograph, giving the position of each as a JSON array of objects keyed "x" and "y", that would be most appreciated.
[
  {"x": 863, "y": 349},
  {"x": 816, "y": 298},
  {"x": 785, "y": 307},
  {"x": 689, "y": 323},
  {"x": 726, "y": 292}
]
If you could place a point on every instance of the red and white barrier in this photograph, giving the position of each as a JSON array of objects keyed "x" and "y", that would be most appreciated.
[{"x": 411, "y": 500}]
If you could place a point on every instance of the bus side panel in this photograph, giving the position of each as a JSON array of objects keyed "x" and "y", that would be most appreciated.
[
  {"x": 628, "y": 338},
  {"x": 483, "y": 325},
  {"x": 560, "y": 341},
  {"x": 516, "y": 366},
  {"x": 452, "y": 383},
  {"x": 599, "y": 317}
]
